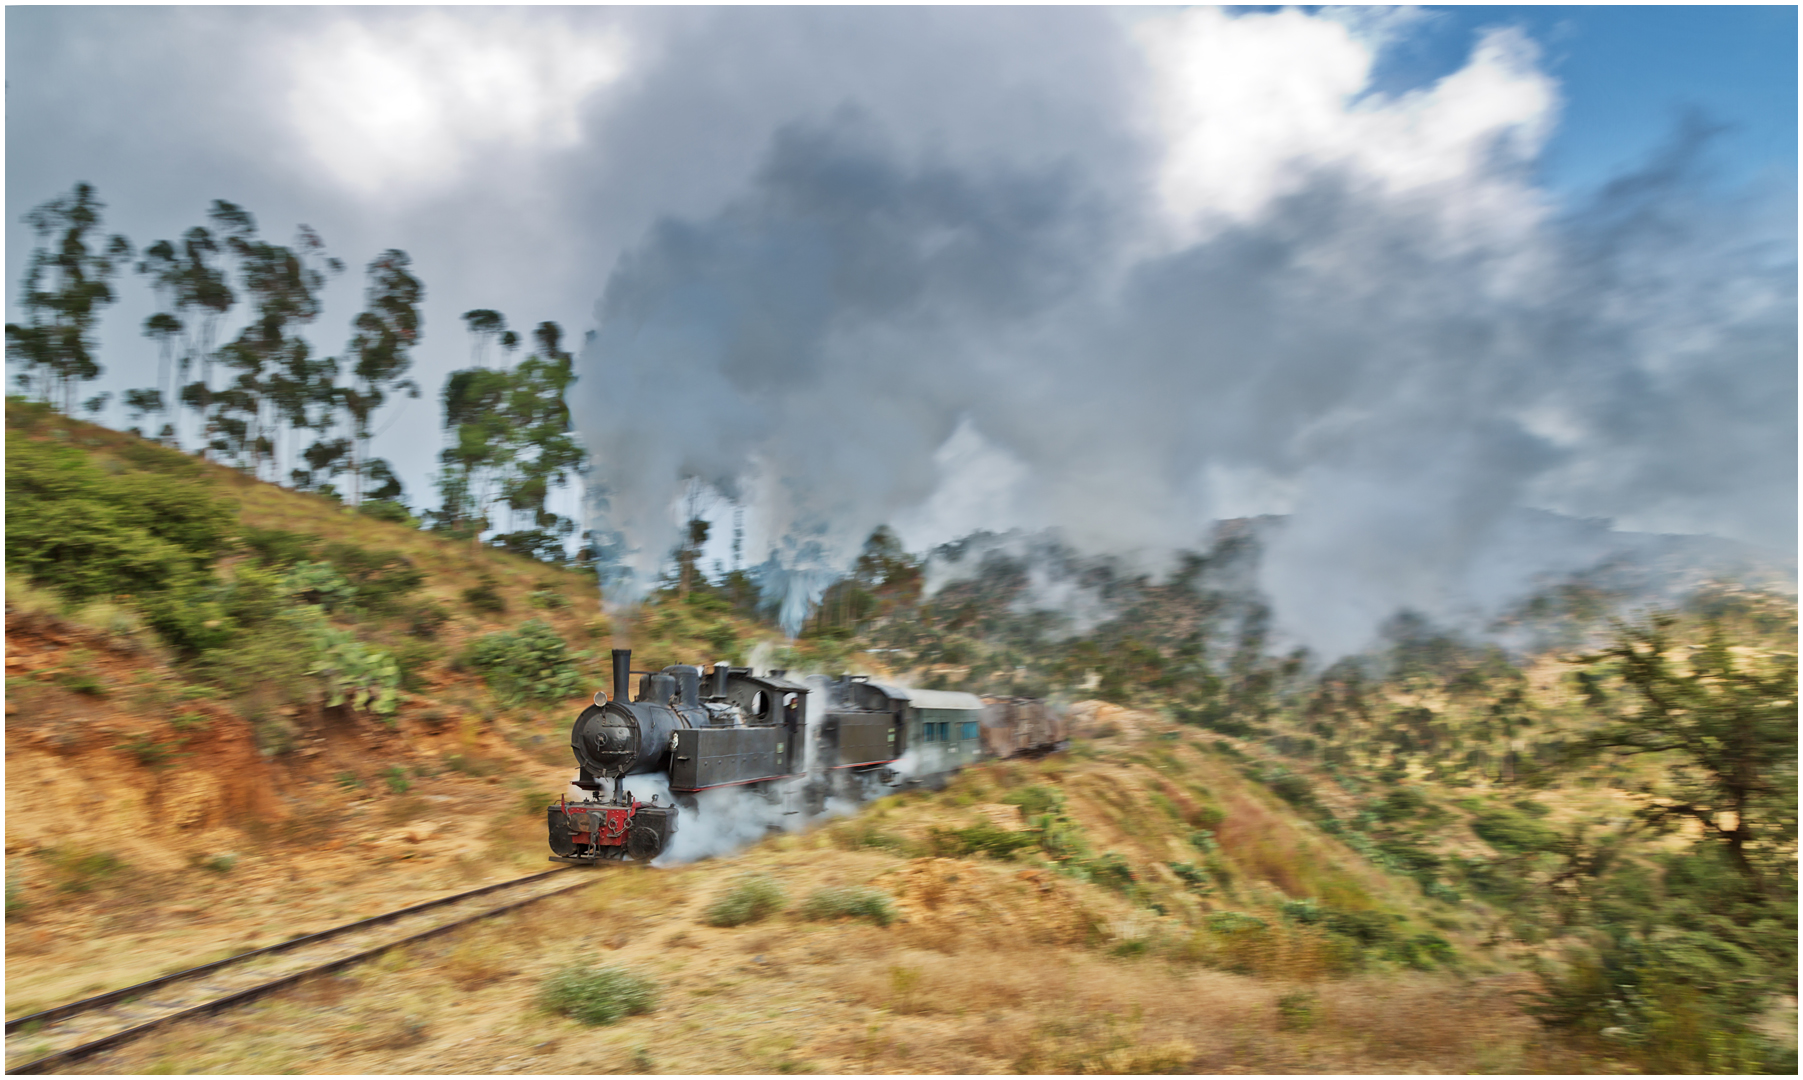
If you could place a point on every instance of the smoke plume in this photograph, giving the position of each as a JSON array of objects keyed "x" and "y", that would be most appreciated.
[{"x": 1363, "y": 315}]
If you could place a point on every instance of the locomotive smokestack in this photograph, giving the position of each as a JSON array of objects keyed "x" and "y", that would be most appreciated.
[
  {"x": 720, "y": 670},
  {"x": 622, "y": 675}
]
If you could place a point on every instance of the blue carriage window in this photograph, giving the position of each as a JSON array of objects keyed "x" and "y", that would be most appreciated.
[{"x": 967, "y": 730}]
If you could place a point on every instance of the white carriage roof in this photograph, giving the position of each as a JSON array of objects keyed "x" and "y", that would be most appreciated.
[{"x": 944, "y": 699}]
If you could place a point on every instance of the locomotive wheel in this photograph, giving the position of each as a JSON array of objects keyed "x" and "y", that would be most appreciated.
[{"x": 643, "y": 843}]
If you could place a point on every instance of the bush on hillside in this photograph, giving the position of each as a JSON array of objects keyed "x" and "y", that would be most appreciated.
[
  {"x": 1511, "y": 830},
  {"x": 749, "y": 900},
  {"x": 598, "y": 995},
  {"x": 528, "y": 664},
  {"x": 85, "y": 534},
  {"x": 849, "y": 903}
]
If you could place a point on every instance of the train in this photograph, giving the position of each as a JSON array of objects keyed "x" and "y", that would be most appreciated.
[{"x": 701, "y": 730}]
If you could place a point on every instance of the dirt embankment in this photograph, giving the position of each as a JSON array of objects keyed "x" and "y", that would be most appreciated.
[{"x": 146, "y": 831}]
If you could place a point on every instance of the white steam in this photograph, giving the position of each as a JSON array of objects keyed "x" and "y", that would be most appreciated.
[{"x": 1357, "y": 311}]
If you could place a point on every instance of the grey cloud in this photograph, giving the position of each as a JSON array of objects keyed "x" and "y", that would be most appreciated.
[{"x": 837, "y": 323}]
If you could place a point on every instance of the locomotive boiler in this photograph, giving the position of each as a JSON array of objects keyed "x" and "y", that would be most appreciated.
[{"x": 723, "y": 728}]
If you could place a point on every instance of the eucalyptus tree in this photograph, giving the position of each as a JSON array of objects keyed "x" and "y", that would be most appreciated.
[
  {"x": 544, "y": 452},
  {"x": 379, "y": 354},
  {"x": 192, "y": 282},
  {"x": 66, "y": 284},
  {"x": 510, "y": 442},
  {"x": 273, "y": 361}
]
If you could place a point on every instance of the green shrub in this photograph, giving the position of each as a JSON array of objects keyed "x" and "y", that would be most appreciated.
[
  {"x": 1035, "y": 800},
  {"x": 1112, "y": 871},
  {"x": 1399, "y": 804},
  {"x": 380, "y": 578},
  {"x": 278, "y": 548},
  {"x": 1298, "y": 1011},
  {"x": 598, "y": 995},
  {"x": 1511, "y": 830},
  {"x": 82, "y": 870},
  {"x": 485, "y": 596},
  {"x": 81, "y": 682},
  {"x": 547, "y": 599},
  {"x": 849, "y": 903},
  {"x": 427, "y": 618},
  {"x": 528, "y": 664},
  {"x": 387, "y": 510},
  {"x": 982, "y": 838},
  {"x": 749, "y": 900},
  {"x": 396, "y": 779},
  {"x": 1194, "y": 877},
  {"x": 320, "y": 583},
  {"x": 85, "y": 534},
  {"x": 151, "y": 752}
]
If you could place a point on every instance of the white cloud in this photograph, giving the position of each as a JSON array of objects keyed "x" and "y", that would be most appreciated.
[
  {"x": 407, "y": 101},
  {"x": 1250, "y": 107}
]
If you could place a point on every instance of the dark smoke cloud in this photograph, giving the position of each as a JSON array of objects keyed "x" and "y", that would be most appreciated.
[{"x": 1401, "y": 387}]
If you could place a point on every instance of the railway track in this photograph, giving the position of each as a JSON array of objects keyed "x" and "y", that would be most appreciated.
[{"x": 67, "y": 1033}]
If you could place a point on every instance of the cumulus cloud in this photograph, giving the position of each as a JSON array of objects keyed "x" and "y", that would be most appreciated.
[{"x": 1357, "y": 311}]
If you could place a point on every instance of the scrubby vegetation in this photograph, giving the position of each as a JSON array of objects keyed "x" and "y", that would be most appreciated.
[
  {"x": 842, "y": 903},
  {"x": 747, "y": 901},
  {"x": 598, "y": 995}
]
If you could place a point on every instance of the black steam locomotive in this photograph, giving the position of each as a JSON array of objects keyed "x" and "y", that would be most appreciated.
[{"x": 730, "y": 727}]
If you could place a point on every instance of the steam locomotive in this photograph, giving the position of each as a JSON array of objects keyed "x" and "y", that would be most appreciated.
[{"x": 733, "y": 728}]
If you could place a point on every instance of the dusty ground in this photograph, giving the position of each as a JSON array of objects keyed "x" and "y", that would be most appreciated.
[
  {"x": 945, "y": 990},
  {"x": 138, "y": 844}
]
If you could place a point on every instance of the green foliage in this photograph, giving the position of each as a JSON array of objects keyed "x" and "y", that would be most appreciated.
[
  {"x": 597, "y": 996},
  {"x": 485, "y": 596},
  {"x": 80, "y": 871},
  {"x": 1726, "y": 722},
  {"x": 748, "y": 900},
  {"x": 1035, "y": 800},
  {"x": 548, "y": 599},
  {"x": 1399, "y": 805},
  {"x": 151, "y": 752},
  {"x": 66, "y": 284},
  {"x": 396, "y": 779},
  {"x": 1195, "y": 878},
  {"x": 849, "y": 903},
  {"x": 982, "y": 838},
  {"x": 1511, "y": 830},
  {"x": 81, "y": 682},
  {"x": 278, "y": 548},
  {"x": 511, "y": 441},
  {"x": 1112, "y": 871},
  {"x": 86, "y": 534},
  {"x": 528, "y": 664},
  {"x": 349, "y": 781},
  {"x": 220, "y": 863},
  {"x": 1298, "y": 1010},
  {"x": 320, "y": 583},
  {"x": 387, "y": 510},
  {"x": 427, "y": 618},
  {"x": 355, "y": 672},
  {"x": 379, "y": 579}
]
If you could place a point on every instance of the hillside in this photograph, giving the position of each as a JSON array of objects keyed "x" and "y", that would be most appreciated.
[{"x": 299, "y": 715}]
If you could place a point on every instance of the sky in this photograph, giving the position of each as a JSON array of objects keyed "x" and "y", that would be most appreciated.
[{"x": 1403, "y": 275}]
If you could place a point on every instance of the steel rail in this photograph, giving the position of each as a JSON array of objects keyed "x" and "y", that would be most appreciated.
[
  {"x": 117, "y": 1038},
  {"x": 76, "y": 1008}
]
